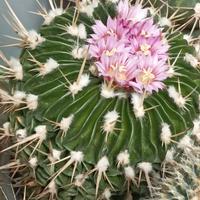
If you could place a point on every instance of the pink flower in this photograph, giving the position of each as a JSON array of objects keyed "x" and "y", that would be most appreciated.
[
  {"x": 102, "y": 31},
  {"x": 151, "y": 72},
  {"x": 130, "y": 51},
  {"x": 119, "y": 69},
  {"x": 107, "y": 46},
  {"x": 128, "y": 13}
]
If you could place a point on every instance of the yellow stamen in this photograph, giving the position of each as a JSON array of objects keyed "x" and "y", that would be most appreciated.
[
  {"x": 145, "y": 34},
  {"x": 111, "y": 52},
  {"x": 146, "y": 76},
  {"x": 145, "y": 48}
]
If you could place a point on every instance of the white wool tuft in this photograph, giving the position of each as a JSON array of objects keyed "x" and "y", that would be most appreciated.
[
  {"x": 52, "y": 14},
  {"x": 106, "y": 194},
  {"x": 66, "y": 122},
  {"x": 187, "y": 37},
  {"x": 171, "y": 72},
  {"x": 79, "y": 180},
  {"x": 123, "y": 158},
  {"x": 32, "y": 101},
  {"x": 166, "y": 134},
  {"x": 21, "y": 134},
  {"x": 88, "y": 6},
  {"x": 169, "y": 157},
  {"x": 196, "y": 129},
  {"x": 82, "y": 31},
  {"x": 77, "y": 156},
  {"x": 52, "y": 187},
  {"x": 49, "y": 66},
  {"x": 146, "y": 167},
  {"x": 138, "y": 108},
  {"x": 78, "y": 86},
  {"x": 34, "y": 39},
  {"x": 107, "y": 92},
  {"x": 110, "y": 120},
  {"x": 129, "y": 173},
  {"x": 79, "y": 52},
  {"x": 79, "y": 31},
  {"x": 102, "y": 164},
  {"x": 179, "y": 100},
  {"x": 41, "y": 131},
  {"x": 56, "y": 154},
  {"x": 193, "y": 61},
  {"x": 164, "y": 21},
  {"x": 72, "y": 30},
  {"x": 17, "y": 68},
  {"x": 185, "y": 143},
  {"x": 197, "y": 10},
  {"x": 33, "y": 162},
  {"x": 19, "y": 96},
  {"x": 6, "y": 128}
]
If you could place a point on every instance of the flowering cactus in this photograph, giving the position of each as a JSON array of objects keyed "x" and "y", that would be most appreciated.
[{"x": 97, "y": 97}]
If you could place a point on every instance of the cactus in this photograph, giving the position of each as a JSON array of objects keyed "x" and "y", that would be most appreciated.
[
  {"x": 89, "y": 107},
  {"x": 181, "y": 167}
]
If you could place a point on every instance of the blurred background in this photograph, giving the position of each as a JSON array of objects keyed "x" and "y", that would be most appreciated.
[{"x": 22, "y": 9}]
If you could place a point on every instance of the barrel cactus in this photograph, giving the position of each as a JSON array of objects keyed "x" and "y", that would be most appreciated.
[{"x": 96, "y": 98}]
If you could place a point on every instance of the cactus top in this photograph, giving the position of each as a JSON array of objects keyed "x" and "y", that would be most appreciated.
[{"x": 130, "y": 51}]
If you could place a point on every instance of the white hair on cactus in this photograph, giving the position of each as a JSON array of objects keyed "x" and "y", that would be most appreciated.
[
  {"x": 110, "y": 120},
  {"x": 34, "y": 39},
  {"x": 49, "y": 17},
  {"x": 164, "y": 21},
  {"x": 33, "y": 162},
  {"x": 82, "y": 31},
  {"x": 28, "y": 39},
  {"x": 169, "y": 157},
  {"x": 129, "y": 173},
  {"x": 79, "y": 180},
  {"x": 19, "y": 96},
  {"x": 21, "y": 134},
  {"x": 146, "y": 167},
  {"x": 16, "y": 67},
  {"x": 66, "y": 122},
  {"x": 196, "y": 129},
  {"x": 52, "y": 187},
  {"x": 103, "y": 164},
  {"x": 187, "y": 37},
  {"x": 41, "y": 131},
  {"x": 197, "y": 10},
  {"x": 171, "y": 72},
  {"x": 78, "y": 86},
  {"x": 79, "y": 31},
  {"x": 77, "y": 156},
  {"x": 107, "y": 92},
  {"x": 179, "y": 100},
  {"x": 166, "y": 134},
  {"x": 193, "y": 61},
  {"x": 79, "y": 52},
  {"x": 138, "y": 108},
  {"x": 88, "y": 6},
  {"x": 6, "y": 128},
  {"x": 106, "y": 194},
  {"x": 32, "y": 101},
  {"x": 56, "y": 154},
  {"x": 48, "y": 67},
  {"x": 123, "y": 158},
  {"x": 185, "y": 143}
]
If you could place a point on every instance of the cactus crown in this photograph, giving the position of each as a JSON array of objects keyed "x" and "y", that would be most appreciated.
[{"x": 95, "y": 94}]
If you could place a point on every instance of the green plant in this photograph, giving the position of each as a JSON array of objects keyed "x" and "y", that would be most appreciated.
[{"x": 76, "y": 136}]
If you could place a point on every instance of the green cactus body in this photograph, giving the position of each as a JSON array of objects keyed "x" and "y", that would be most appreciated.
[{"x": 85, "y": 113}]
